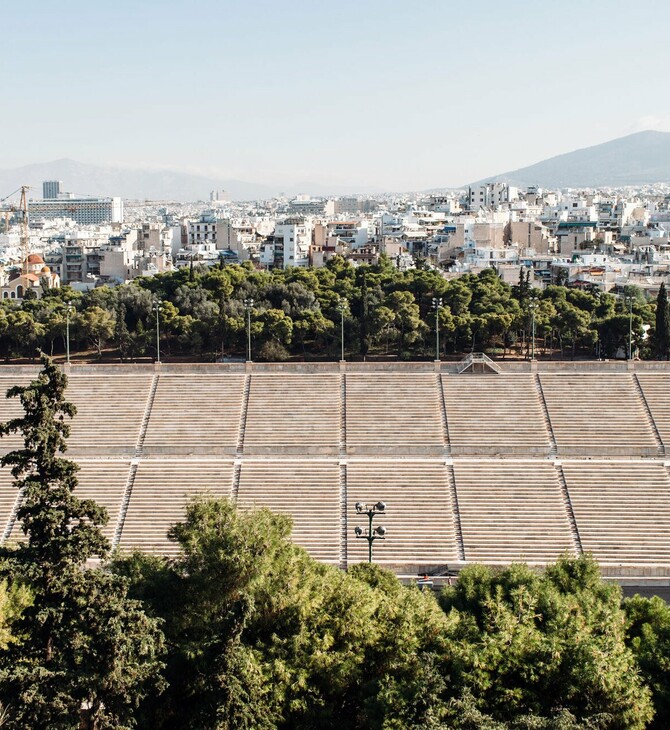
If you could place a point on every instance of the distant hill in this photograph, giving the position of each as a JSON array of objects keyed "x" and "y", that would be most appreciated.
[
  {"x": 636, "y": 159},
  {"x": 105, "y": 180}
]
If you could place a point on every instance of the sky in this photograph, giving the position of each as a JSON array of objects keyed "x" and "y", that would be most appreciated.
[{"x": 369, "y": 94}]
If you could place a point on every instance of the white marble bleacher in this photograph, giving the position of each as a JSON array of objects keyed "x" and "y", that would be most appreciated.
[
  {"x": 394, "y": 413},
  {"x": 110, "y": 409},
  {"x": 195, "y": 414},
  {"x": 511, "y": 510},
  {"x": 598, "y": 414},
  {"x": 161, "y": 490},
  {"x": 8, "y": 497},
  {"x": 307, "y": 490},
  {"x": 622, "y": 509},
  {"x": 293, "y": 414},
  {"x": 419, "y": 515},
  {"x": 495, "y": 414}
]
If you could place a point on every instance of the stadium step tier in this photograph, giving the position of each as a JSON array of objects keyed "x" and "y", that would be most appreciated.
[{"x": 465, "y": 463}]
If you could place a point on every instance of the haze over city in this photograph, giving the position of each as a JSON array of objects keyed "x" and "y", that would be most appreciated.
[{"x": 370, "y": 95}]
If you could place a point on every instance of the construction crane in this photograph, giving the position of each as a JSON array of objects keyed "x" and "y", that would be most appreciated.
[{"x": 22, "y": 208}]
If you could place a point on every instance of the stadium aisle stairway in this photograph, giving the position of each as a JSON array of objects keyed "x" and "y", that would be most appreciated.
[{"x": 656, "y": 389}]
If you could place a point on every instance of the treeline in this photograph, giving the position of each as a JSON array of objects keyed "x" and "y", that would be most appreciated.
[
  {"x": 298, "y": 313},
  {"x": 244, "y": 630}
]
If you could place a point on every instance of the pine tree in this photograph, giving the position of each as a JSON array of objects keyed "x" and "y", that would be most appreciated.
[
  {"x": 662, "y": 325},
  {"x": 86, "y": 654}
]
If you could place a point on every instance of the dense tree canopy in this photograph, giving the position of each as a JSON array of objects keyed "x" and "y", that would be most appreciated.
[{"x": 296, "y": 314}]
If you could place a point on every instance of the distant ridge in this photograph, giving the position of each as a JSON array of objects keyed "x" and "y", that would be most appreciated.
[
  {"x": 136, "y": 183},
  {"x": 643, "y": 157}
]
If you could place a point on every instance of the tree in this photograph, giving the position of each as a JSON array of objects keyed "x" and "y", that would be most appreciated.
[
  {"x": 648, "y": 636},
  {"x": 98, "y": 326},
  {"x": 662, "y": 337},
  {"x": 84, "y": 652},
  {"x": 535, "y": 645},
  {"x": 263, "y": 636}
]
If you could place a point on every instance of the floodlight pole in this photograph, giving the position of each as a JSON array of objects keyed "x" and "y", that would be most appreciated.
[
  {"x": 342, "y": 305},
  {"x": 248, "y": 304},
  {"x": 630, "y": 327},
  {"x": 437, "y": 303},
  {"x": 533, "y": 306},
  {"x": 68, "y": 309},
  {"x": 157, "y": 309},
  {"x": 371, "y": 535}
]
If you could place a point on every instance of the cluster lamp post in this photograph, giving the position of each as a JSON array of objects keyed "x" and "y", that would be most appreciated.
[
  {"x": 69, "y": 308},
  {"x": 437, "y": 303},
  {"x": 369, "y": 534},
  {"x": 248, "y": 304},
  {"x": 158, "y": 309}
]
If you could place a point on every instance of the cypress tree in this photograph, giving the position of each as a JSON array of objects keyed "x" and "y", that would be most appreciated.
[
  {"x": 86, "y": 654},
  {"x": 662, "y": 325}
]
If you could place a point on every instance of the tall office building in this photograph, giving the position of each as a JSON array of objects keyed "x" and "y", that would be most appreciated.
[{"x": 51, "y": 189}]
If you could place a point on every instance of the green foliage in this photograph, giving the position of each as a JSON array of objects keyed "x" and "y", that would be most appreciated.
[
  {"x": 203, "y": 314},
  {"x": 662, "y": 330},
  {"x": 80, "y": 649},
  {"x": 648, "y": 636},
  {"x": 536, "y": 645},
  {"x": 263, "y": 636}
]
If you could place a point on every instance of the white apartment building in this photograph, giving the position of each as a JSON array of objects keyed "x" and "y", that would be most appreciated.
[
  {"x": 289, "y": 246},
  {"x": 84, "y": 211},
  {"x": 491, "y": 195}
]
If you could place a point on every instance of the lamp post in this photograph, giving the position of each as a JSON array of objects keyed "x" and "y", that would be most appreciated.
[
  {"x": 342, "y": 308},
  {"x": 69, "y": 308},
  {"x": 532, "y": 305},
  {"x": 629, "y": 302},
  {"x": 437, "y": 303},
  {"x": 158, "y": 309},
  {"x": 248, "y": 304},
  {"x": 369, "y": 534}
]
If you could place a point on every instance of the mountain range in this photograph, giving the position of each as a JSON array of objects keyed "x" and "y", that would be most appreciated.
[
  {"x": 643, "y": 157},
  {"x": 636, "y": 159},
  {"x": 85, "y": 179}
]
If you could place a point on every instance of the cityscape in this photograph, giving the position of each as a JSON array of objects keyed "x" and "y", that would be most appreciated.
[{"x": 334, "y": 366}]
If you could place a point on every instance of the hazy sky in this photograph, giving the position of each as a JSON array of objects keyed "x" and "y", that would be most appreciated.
[{"x": 394, "y": 95}]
